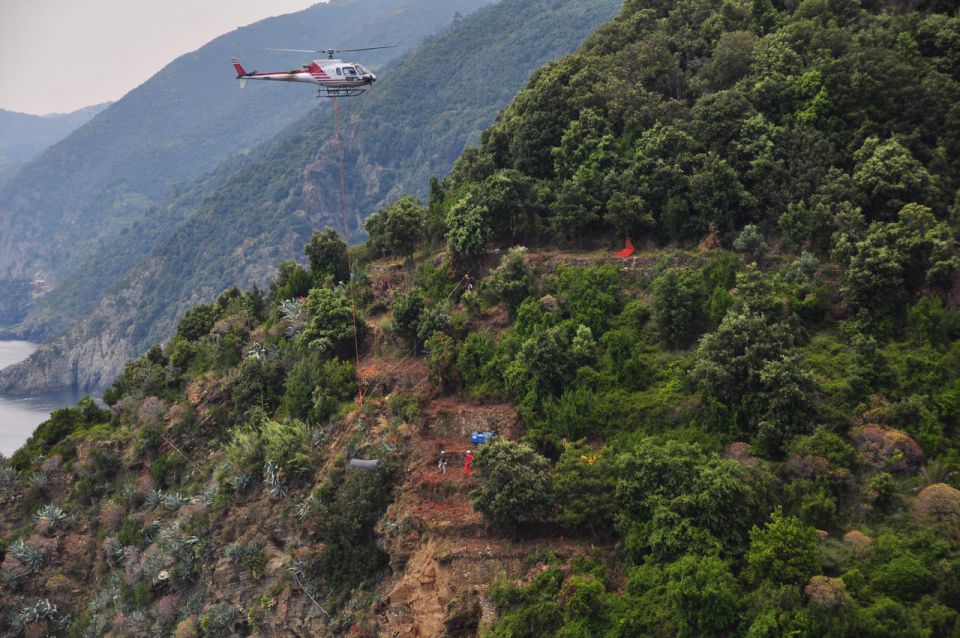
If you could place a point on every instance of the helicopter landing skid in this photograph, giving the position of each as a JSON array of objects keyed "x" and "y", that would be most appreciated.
[{"x": 349, "y": 92}]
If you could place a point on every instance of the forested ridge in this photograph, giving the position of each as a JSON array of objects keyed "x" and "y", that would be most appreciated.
[
  {"x": 234, "y": 224},
  {"x": 94, "y": 205},
  {"x": 746, "y": 427}
]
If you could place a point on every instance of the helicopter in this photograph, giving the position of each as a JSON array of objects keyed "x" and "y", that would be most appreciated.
[{"x": 335, "y": 78}]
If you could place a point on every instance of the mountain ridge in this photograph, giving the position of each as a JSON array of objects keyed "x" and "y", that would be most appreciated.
[
  {"x": 285, "y": 193},
  {"x": 172, "y": 128}
]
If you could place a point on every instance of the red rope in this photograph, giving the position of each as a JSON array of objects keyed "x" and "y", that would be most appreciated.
[{"x": 346, "y": 238}]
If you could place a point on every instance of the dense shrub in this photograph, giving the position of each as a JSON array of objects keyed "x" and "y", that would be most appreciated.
[
  {"x": 396, "y": 229},
  {"x": 327, "y": 256},
  {"x": 679, "y": 306},
  {"x": 783, "y": 551},
  {"x": 513, "y": 484}
]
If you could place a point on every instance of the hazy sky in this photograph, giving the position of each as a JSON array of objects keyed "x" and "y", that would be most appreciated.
[{"x": 60, "y": 55}]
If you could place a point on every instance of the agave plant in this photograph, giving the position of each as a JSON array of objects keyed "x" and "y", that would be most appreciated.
[
  {"x": 173, "y": 500},
  {"x": 37, "y": 479},
  {"x": 117, "y": 551},
  {"x": 49, "y": 516},
  {"x": 257, "y": 351},
  {"x": 96, "y": 628},
  {"x": 305, "y": 506},
  {"x": 242, "y": 482},
  {"x": 291, "y": 310},
  {"x": 151, "y": 532},
  {"x": 208, "y": 494},
  {"x": 8, "y": 476},
  {"x": 137, "y": 618},
  {"x": 8, "y": 579},
  {"x": 42, "y": 610},
  {"x": 235, "y": 552},
  {"x": 154, "y": 498},
  {"x": 298, "y": 567},
  {"x": 273, "y": 479},
  {"x": 938, "y": 471},
  {"x": 27, "y": 556},
  {"x": 220, "y": 617}
]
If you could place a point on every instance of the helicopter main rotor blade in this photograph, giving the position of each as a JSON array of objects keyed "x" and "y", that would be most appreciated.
[{"x": 390, "y": 46}]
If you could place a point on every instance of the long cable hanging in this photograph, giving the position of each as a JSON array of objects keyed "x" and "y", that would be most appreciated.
[{"x": 346, "y": 238}]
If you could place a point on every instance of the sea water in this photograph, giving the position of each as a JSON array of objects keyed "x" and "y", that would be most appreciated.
[{"x": 20, "y": 415}]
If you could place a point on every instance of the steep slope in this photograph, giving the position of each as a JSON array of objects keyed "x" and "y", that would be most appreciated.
[
  {"x": 687, "y": 440},
  {"x": 108, "y": 174},
  {"x": 414, "y": 124},
  {"x": 24, "y": 136}
]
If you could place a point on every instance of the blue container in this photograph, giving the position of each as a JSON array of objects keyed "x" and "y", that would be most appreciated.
[{"x": 479, "y": 438}]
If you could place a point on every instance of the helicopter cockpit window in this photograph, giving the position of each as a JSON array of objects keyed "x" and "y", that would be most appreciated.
[
  {"x": 349, "y": 71},
  {"x": 339, "y": 72},
  {"x": 363, "y": 70}
]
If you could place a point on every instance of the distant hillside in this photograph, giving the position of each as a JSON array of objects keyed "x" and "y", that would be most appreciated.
[
  {"x": 24, "y": 136},
  {"x": 108, "y": 175},
  {"x": 415, "y": 123}
]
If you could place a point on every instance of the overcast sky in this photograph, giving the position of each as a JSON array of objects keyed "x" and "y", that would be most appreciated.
[{"x": 60, "y": 55}]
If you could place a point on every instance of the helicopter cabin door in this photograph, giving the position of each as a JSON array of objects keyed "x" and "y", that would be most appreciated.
[{"x": 349, "y": 73}]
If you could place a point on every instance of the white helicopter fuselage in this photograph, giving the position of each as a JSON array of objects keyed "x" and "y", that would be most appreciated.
[{"x": 334, "y": 74}]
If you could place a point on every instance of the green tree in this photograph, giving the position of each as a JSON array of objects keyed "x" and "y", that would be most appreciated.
[
  {"x": 679, "y": 306},
  {"x": 748, "y": 365},
  {"x": 904, "y": 578},
  {"x": 732, "y": 56},
  {"x": 895, "y": 260},
  {"x": 476, "y": 363},
  {"x": 396, "y": 229},
  {"x": 292, "y": 282},
  {"x": 468, "y": 227},
  {"x": 704, "y": 595},
  {"x": 442, "y": 357},
  {"x": 583, "y": 603},
  {"x": 888, "y": 177},
  {"x": 751, "y": 243},
  {"x": 575, "y": 208},
  {"x": 584, "y": 480},
  {"x": 784, "y": 551},
  {"x": 330, "y": 322},
  {"x": 590, "y": 296},
  {"x": 509, "y": 197},
  {"x": 673, "y": 499},
  {"x": 547, "y": 360},
  {"x": 315, "y": 387},
  {"x": 630, "y": 215},
  {"x": 406, "y": 311},
  {"x": 513, "y": 484},
  {"x": 197, "y": 322},
  {"x": 512, "y": 281},
  {"x": 327, "y": 255}
]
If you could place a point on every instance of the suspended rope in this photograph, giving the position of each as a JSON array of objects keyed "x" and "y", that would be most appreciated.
[{"x": 346, "y": 238}]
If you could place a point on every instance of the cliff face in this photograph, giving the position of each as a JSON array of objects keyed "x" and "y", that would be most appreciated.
[{"x": 14, "y": 295}]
